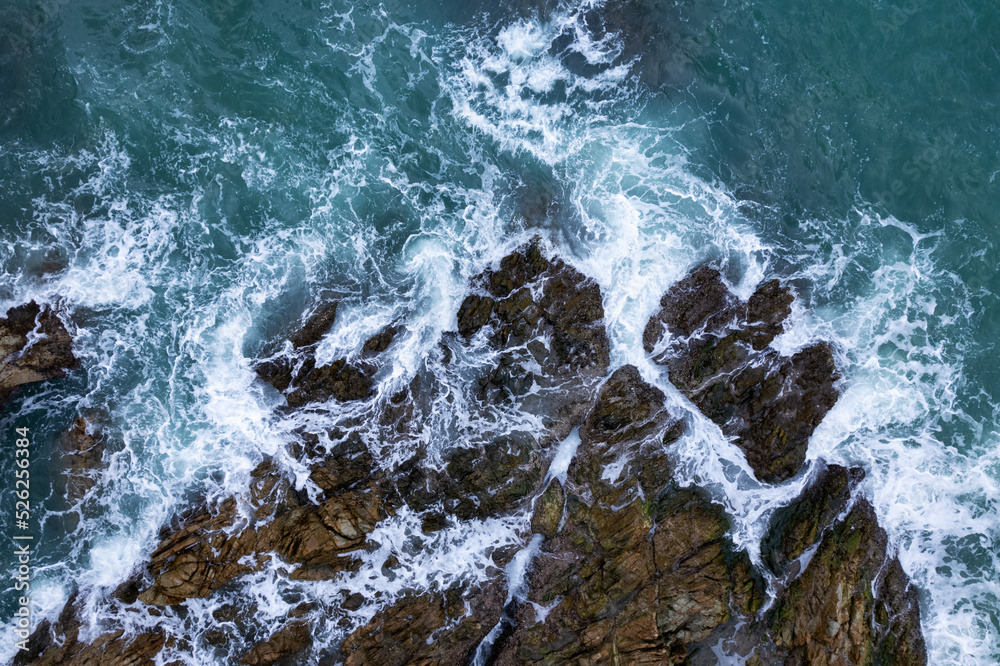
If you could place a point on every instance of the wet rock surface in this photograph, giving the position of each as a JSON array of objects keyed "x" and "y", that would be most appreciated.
[
  {"x": 718, "y": 355},
  {"x": 443, "y": 628},
  {"x": 548, "y": 320},
  {"x": 281, "y": 647},
  {"x": 852, "y": 605},
  {"x": 297, "y": 375},
  {"x": 34, "y": 346},
  {"x": 61, "y": 644},
  {"x": 640, "y": 568},
  {"x": 214, "y": 545},
  {"x": 82, "y": 449},
  {"x": 799, "y": 526},
  {"x": 626, "y": 566}
]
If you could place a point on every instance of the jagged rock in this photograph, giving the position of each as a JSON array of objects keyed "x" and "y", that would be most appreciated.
[
  {"x": 302, "y": 381},
  {"x": 548, "y": 319},
  {"x": 852, "y": 605},
  {"x": 798, "y": 526},
  {"x": 82, "y": 447},
  {"x": 211, "y": 547},
  {"x": 379, "y": 342},
  {"x": 316, "y": 326},
  {"x": 641, "y": 569},
  {"x": 475, "y": 482},
  {"x": 291, "y": 639},
  {"x": 60, "y": 645},
  {"x": 34, "y": 346},
  {"x": 528, "y": 294},
  {"x": 442, "y": 628},
  {"x": 718, "y": 356}
]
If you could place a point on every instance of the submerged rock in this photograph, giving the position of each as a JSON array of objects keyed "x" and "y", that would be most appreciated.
[
  {"x": 82, "y": 448},
  {"x": 718, "y": 355},
  {"x": 34, "y": 346}
]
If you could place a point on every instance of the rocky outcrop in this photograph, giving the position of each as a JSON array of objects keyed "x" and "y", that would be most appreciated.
[
  {"x": 634, "y": 568},
  {"x": 548, "y": 320},
  {"x": 82, "y": 449},
  {"x": 852, "y": 604},
  {"x": 292, "y": 639},
  {"x": 296, "y": 374},
  {"x": 444, "y": 628},
  {"x": 60, "y": 645},
  {"x": 640, "y": 570},
  {"x": 718, "y": 355},
  {"x": 212, "y": 546},
  {"x": 492, "y": 479},
  {"x": 797, "y": 527},
  {"x": 625, "y": 566},
  {"x": 34, "y": 346}
]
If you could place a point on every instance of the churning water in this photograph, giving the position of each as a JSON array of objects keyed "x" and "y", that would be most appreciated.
[{"x": 183, "y": 179}]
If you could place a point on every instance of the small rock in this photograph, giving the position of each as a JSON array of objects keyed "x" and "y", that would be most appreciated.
[
  {"x": 291, "y": 639},
  {"x": 302, "y": 381},
  {"x": 211, "y": 547},
  {"x": 379, "y": 342},
  {"x": 48, "y": 356},
  {"x": 82, "y": 447}
]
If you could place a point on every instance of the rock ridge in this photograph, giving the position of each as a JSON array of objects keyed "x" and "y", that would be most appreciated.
[{"x": 624, "y": 565}]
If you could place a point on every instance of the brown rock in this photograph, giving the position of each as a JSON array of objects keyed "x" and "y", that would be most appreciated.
[
  {"x": 851, "y": 605},
  {"x": 60, "y": 645},
  {"x": 82, "y": 448},
  {"x": 211, "y": 547},
  {"x": 316, "y": 326},
  {"x": 798, "y": 526},
  {"x": 719, "y": 358},
  {"x": 302, "y": 381},
  {"x": 48, "y": 356},
  {"x": 379, "y": 342},
  {"x": 641, "y": 569},
  {"x": 427, "y": 629},
  {"x": 543, "y": 314},
  {"x": 291, "y": 639},
  {"x": 549, "y": 510}
]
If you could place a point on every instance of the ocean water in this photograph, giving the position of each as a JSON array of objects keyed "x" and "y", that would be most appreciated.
[{"x": 183, "y": 179}]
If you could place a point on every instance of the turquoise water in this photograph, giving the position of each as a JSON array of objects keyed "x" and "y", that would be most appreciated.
[{"x": 184, "y": 178}]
